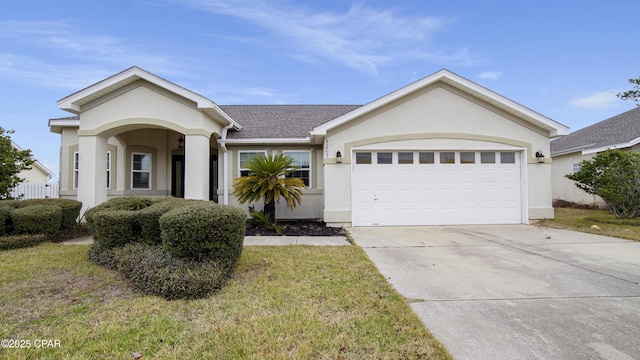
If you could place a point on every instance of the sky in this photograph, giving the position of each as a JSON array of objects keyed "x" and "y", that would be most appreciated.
[{"x": 564, "y": 59}]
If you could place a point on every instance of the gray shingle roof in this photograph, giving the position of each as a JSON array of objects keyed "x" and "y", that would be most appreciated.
[
  {"x": 619, "y": 129},
  {"x": 281, "y": 121}
]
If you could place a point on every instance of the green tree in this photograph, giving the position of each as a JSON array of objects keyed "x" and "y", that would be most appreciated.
[
  {"x": 632, "y": 94},
  {"x": 614, "y": 175},
  {"x": 268, "y": 180},
  {"x": 12, "y": 162}
]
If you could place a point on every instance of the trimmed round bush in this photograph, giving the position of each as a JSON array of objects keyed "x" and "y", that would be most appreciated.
[
  {"x": 37, "y": 219},
  {"x": 70, "y": 209},
  {"x": 122, "y": 203},
  {"x": 149, "y": 218},
  {"x": 115, "y": 228},
  {"x": 204, "y": 230},
  {"x": 21, "y": 241},
  {"x": 6, "y": 226}
]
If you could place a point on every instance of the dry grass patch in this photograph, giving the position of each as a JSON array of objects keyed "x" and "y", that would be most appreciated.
[
  {"x": 583, "y": 220},
  {"x": 283, "y": 303}
]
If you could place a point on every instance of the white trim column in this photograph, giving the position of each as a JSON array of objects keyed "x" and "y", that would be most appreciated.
[
  {"x": 196, "y": 171},
  {"x": 92, "y": 171}
]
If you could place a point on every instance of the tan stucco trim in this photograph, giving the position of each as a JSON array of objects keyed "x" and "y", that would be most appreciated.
[
  {"x": 346, "y": 155},
  {"x": 120, "y": 126}
]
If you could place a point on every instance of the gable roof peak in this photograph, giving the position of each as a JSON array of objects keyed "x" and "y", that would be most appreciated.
[
  {"x": 74, "y": 102},
  {"x": 554, "y": 128}
]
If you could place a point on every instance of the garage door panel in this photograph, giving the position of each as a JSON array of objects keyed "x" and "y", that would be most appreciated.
[{"x": 436, "y": 194}]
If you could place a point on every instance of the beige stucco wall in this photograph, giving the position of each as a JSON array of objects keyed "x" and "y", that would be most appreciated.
[
  {"x": 143, "y": 105},
  {"x": 34, "y": 176},
  {"x": 313, "y": 198},
  {"x": 565, "y": 189},
  {"x": 441, "y": 114}
]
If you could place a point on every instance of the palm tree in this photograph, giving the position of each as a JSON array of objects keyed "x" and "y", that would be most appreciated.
[{"x": 268, "y": 180}]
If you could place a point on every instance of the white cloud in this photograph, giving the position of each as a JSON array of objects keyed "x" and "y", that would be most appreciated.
[
  {"x": 490, "y": 75},
  {"x": 75, "y": 59},
  {"x": 363, "y": 38},
  {"x": 600, "y": 100}
]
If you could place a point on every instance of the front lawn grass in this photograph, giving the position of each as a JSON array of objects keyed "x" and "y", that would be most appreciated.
[
  {"x": 583, "y": 219},
  {"x": 291, "y": 302}
]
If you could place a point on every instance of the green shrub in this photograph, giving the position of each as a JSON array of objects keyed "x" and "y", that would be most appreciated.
[
  {"x": 149, "y": 217},
  {"x": 6, "y": 227},
  {"x": 261, "y": 220},
  {"x": 104, "y": 256},
  {"x": 37, "y": 219},
  {"x": 614, "y": 175},
  {"x": 70, "y": 209},
  {"x": 21, "y": 241},
  {"x": 204, "y": 230},
  {"x": 130, "y": 203},
  {"x": 153, "y": 271},
  {"x": 115, "y": 228}
]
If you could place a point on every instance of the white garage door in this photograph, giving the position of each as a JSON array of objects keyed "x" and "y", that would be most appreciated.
[{"x": 436, "y": 188}]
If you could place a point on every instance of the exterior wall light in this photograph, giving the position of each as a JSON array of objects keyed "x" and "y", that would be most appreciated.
[
  {"x": 339, "y": 157},
  {"x": 181, "y": 142},
  {"x": 540, "y": 157}
]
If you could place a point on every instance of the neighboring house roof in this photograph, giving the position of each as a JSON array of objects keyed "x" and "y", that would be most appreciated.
[
  {"x": 37, "y": 164},
  {"x": 620, "y": 131},
  {"x": 554, "y": 128},
  {"x": 281, "y": 121}
]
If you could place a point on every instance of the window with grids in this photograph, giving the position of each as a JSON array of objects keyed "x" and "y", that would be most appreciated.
[
  {"x": 108, "y": 169},
  {"x": 140, "y": 171},
  {"x": 576, "y": 167},
  {"x": 76, "y": 166},
  {"x": 301, "y": 164},
  {"x": 244, "y": 157}
]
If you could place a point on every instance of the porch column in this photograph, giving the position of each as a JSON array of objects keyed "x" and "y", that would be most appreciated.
[
  {"x": 196, "y": 169},
  {"x": 92, "y": 171}
]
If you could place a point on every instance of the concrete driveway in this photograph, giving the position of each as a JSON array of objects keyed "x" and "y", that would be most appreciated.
[{"x": 515, "y": 292}]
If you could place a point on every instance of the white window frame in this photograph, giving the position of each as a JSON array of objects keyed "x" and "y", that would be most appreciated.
[
  {"x": 109, "y": 170},
  {"x": 241, "y": 169},
  {"x": 576, "y": 167},
  {"x": 75, "y": 171},
  {"x": 285, "y": 152},
  {"x": 133, "y": 154}
]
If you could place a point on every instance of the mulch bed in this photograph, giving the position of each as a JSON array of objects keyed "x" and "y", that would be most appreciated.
[{"x": 297, "y": 228}]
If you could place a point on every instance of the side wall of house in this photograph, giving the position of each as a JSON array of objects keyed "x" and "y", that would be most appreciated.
[{"x": 565, "y": 189}]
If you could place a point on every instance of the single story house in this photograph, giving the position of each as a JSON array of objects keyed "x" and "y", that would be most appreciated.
[
  {"x": 619, "y": 132},
  {"x": 442, "y": 150}
]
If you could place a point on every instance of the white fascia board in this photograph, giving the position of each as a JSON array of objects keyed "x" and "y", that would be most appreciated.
[
  {"x": 64, "y": 122},
  {"x": 43, "y": 168},
  {"x": 56, "y": 125},
  {"x": 614, "y": 146},
  {"x": 268, "y": 141},
  {"x": 554, "y": 127}
]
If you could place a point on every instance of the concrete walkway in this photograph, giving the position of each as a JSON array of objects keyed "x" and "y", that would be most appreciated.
[
  {"x": 261, "y": 240},
  {"x": 515, "y": 292}
]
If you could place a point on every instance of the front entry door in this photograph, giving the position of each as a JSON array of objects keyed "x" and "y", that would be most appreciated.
[{"x": 177, "y": 176}]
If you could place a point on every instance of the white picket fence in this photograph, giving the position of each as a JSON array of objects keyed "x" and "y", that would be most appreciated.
[{"x": 35, "y": 191}]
